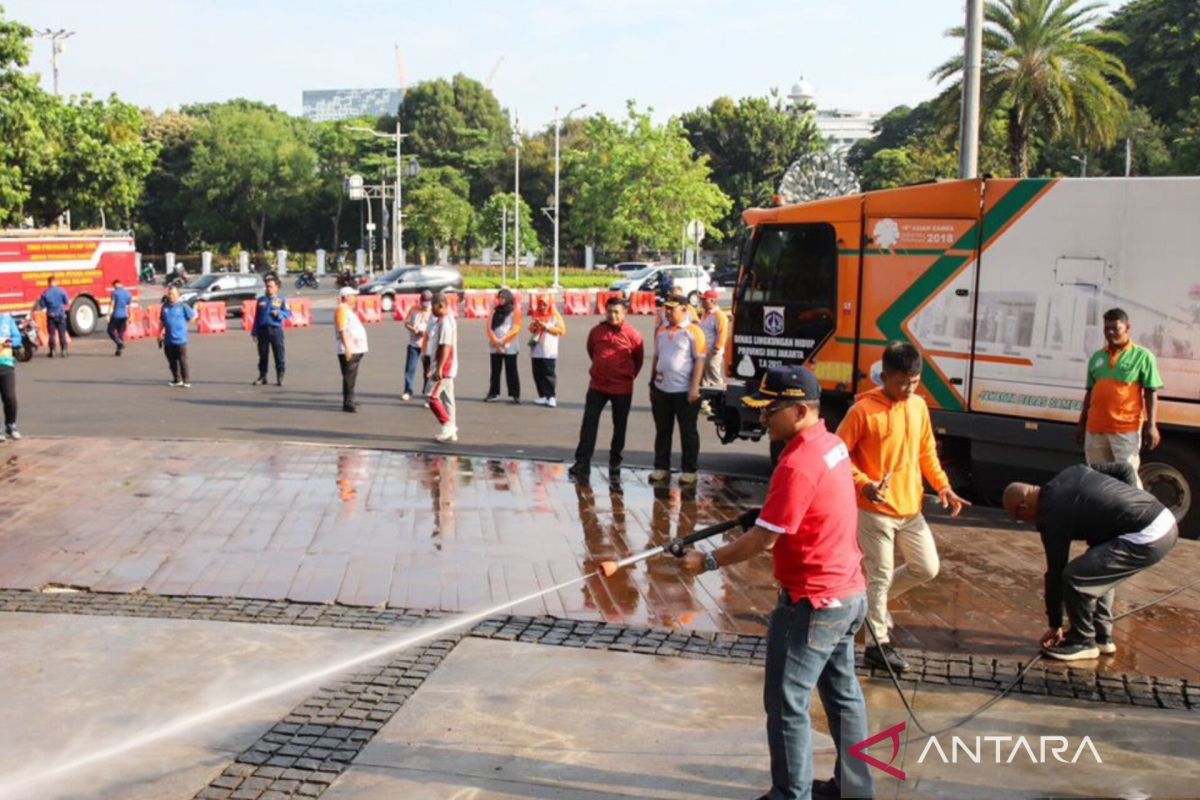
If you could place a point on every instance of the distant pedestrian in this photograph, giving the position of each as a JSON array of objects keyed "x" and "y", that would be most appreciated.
[
  {"x": 118, "y": 316},
  {"x": 417, "y": 324},
  {"x": 351, "y": 337},
  {"x": 55, "y": 301},
  {"x": 666, "y": 285},
  {"x": 617, "y": 352},
  {"x": 889, "y": 435},
  {"x": 173, "y": 336},
  {"x": 715, "y": 324},
  {"x": 10, "y": 341},
  {"x": 679, "y": 351},
  {"x": 271, "y": 311},
  {"x": 443, "y": 337},
  {"x": 1126, "y": 529},
  {"x": 1120, "y": 409},
  {"x": 547, "y": 327},
  {"x": 504, "y": 341}
]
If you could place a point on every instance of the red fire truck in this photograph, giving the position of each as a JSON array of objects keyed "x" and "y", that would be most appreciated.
[{"x": 85, "y": 263}]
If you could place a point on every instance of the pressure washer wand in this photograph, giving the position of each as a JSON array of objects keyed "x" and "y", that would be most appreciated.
[{"x": 677, "y": 547}]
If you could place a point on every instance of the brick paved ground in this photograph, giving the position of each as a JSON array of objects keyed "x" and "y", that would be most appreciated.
[{"x": 368, "y": 528}]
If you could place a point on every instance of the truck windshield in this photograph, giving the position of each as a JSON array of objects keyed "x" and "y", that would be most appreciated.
[{"x": 792, "y": 264}]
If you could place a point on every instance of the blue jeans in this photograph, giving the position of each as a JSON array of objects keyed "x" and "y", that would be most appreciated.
[
  {"x": 811, "y": 648},
  {"x": 412, "y": 361}
]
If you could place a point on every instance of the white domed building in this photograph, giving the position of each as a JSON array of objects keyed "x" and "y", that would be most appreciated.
[{"x": 840, "y": 127}]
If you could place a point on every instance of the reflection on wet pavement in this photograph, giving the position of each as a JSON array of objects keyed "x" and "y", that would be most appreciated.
[{"x": 372, "y": 528}]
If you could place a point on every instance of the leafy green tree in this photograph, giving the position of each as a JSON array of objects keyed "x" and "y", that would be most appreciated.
[
  {"x": 906, "y": 165},
  {"x": 498, "y": 211},
  {"x": 894, "y": 130},
  {"x": 749, "y": 145},
  {"x": 1159, "y": 42},
  {"x": 1046, "y": 70},
  {"x": 436, "y": 212},
  {"x": 162, "y": 212},
  {"x": 340, "y": 153},
  {"x": 457, "y": 123},
  {"x": 97, "y": 160},
  {"x": 638, "y": 184},
  {"x": 249, "y": 164},
  {"x": 23, "y": 108},
  {"x": 1186, "y": 141}
]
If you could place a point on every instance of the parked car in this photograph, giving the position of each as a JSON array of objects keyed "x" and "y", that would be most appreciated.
[
  {"x": 725, "y": 276},
  {"x": 229, "y": 288},
  {"x": 631, "y": 266},
  {"x": 412, "y": 279},
  {"x": 690, "y": 280}
]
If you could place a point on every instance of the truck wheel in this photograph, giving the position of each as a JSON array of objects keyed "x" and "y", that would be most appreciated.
[
  {"x": 387, "y": 303},
  {"x": 82, "y": 317},
  {"x": 1172, "y": 474}
]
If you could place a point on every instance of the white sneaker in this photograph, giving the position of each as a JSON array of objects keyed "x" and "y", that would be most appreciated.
[
  {"x": 186, "y": 385},
  {"x": 660, "y": 475},
  {"x": 449, "y": 434},
  {"x": 541, "y": 401},
  {"x": 406, "y": 397},
  {"x": 552, "y": 402},
  {"x": 1105, "y": 648},
  {"x": 14, "y": 434},
  {"x": 175, "y": 383},
  {"x": 688, "y": 478}
]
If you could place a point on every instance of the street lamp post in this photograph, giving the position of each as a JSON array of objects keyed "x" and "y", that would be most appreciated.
[
  {"x": 517, "y": 199},
  {"x": 1082, "y": 164},
  {"x": 397, "y": 225},
  {"x": 56, "y": 47},
  {"x": 557, "y": 131}
]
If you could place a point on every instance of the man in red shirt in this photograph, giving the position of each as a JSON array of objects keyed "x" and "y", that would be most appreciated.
[
  {"x": 809, "y": 523},
  {"x": 617, "y": 352}
]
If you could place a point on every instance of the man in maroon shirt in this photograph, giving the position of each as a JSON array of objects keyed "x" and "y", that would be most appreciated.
[
  {"x": 809, "y": 523},
  {"x": 617, "y": 352}
]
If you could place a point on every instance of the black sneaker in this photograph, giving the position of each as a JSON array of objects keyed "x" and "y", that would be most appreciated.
[
  {"x": 883, "y": 656},
  {"x": 1072, "y": 651},
  {"x": 349, "y": 409},
  {"x": 261, "y": 380},
  {"x": 491, "y": 398},
  {"x": 826, "y": 790}
]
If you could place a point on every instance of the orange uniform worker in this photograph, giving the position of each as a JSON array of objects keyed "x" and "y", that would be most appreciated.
[
  {"x": 1120, "y": 409},
  {"x": 890, "y": 438}
]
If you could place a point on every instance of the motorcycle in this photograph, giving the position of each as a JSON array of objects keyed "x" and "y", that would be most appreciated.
[
  {"x": 30, "y": 340},
  {"x": 178, "y": 278},
  {"x": 347, "y": 278},
  {"x": 307, "y": 280},
  {"x": 146, "y": 275}
]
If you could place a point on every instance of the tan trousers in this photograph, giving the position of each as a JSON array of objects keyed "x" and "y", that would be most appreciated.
[
  {"x": 714, "y": 370},
  {"x": 1114, "y": 448},
  {"x": 878, "y": 537}
]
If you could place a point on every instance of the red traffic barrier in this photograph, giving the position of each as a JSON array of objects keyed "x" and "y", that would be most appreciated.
[
  {"x": 153, "y": 320},
  {"x": 642, "y": 303},
  {"x": 602, "y": 299},
  {"x": 404, "y": 303},
  {"x": 369, "y": 307},
  {"x": 135, "y": 328},
  {"x": 453, "y": 301},
  {"x": 577, "y": 304},
  {"x": 478, "y": 306},
  {"x": 211, "y": 318},
  {"x": 248, "y": 309},
  {"x": 301, "y": 313}
]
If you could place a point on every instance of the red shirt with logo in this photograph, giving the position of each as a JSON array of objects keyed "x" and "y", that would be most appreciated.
[
  {"x": 812, "y": 505},
  {"x": 617, "y": 355}
]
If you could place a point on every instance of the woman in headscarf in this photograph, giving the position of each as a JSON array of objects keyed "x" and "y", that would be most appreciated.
[
  {"x": 504, "y": 333},
  {"x": 546, "y": 326}
]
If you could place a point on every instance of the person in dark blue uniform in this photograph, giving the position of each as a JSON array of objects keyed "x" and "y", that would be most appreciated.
[
  {"x": 270, "y": 313},
  {"x": 55, "y": 301},
  {"x": 118, "y": 316}
]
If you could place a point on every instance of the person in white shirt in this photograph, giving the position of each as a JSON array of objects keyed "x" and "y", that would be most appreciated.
[
  {"x": 679, "y": 357},
  {"x": 351, "y": 337},
  {"x": 416, "y": 323},
  {"x": 442, "y": 337},
  {"x": 504, "y": 342},
  {"x": 546, "y": 326}
]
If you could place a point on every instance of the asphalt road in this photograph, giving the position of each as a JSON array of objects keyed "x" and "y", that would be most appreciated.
[{"x": 94, "y": 393}]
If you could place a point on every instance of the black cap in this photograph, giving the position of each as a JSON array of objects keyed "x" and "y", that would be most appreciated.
[{"x": 780, "y": 384}]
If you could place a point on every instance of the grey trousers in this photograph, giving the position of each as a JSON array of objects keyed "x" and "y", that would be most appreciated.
[{"x": 1089, "y": 582}]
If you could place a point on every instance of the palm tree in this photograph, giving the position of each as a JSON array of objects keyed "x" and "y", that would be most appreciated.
[{"x": 1046, "y": 72}]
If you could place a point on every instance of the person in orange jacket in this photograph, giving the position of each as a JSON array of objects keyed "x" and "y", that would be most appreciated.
[
  {"x": 890, "y": 438},
  {"x": 504, "y": 331}
]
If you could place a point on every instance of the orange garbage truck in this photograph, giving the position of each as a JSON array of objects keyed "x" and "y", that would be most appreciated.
[{"x": 1002, "y": 285}]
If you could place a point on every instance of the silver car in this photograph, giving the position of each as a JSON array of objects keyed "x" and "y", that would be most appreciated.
[{"x": 412, "y": 280}]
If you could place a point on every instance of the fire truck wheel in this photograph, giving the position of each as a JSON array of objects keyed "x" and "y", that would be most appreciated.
[
  {"x": 82, "y": 317},
  {"x": 1172, "y": 474}
]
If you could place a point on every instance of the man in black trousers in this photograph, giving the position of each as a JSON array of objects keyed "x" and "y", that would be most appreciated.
[
  {"x": 1127, "y": 531},
  {"x": 270, "y": 313}
]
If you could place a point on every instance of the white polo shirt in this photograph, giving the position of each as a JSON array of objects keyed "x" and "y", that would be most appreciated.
[{"x": 677, "y": 350}]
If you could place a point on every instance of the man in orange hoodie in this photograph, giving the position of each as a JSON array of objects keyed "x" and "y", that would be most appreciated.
[{"x": 890, "y": 438}]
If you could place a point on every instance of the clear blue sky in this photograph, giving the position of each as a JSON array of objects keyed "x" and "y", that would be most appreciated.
[{"x": 672, "y": 55}]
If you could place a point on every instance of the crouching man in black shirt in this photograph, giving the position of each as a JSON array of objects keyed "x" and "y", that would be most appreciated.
[{"x": 1127, "y": 530}]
